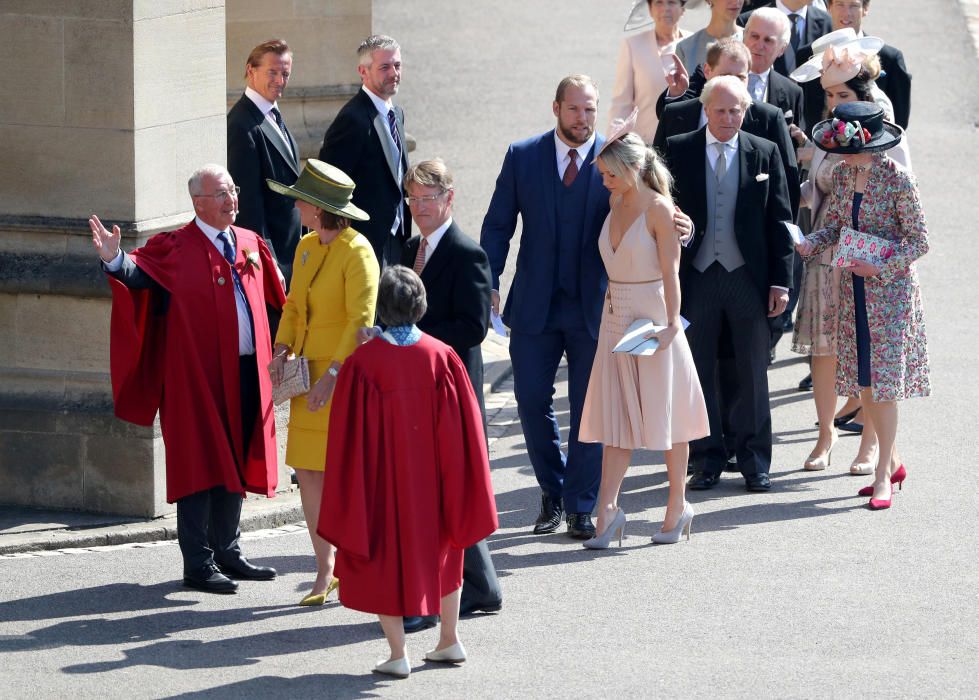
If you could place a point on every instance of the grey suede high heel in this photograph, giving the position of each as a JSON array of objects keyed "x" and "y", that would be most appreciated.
[
  {"x": 605, "y": 539},
  {"x": 673, "y": 536}
]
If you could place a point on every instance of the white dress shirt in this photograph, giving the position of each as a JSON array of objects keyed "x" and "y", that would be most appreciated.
[
  {"x": 730, "y": 150},
  {"x": 266, "y": 108},
  {"x": 246, "y": 343},
  {"x": 383, "y": 107},
  {"x": 562, "y": 153},
  {"x": 802, "y": 12},
  {"x": 762, "y": 95},
  {"x": 432, "y": 239}
]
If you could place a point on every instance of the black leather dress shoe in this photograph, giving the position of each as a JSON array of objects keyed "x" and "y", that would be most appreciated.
[
  {"x": 757, "y": 482},
  {"x": 244, "y": 569},
  {"x": 551, "y": 512},
  {"x": 580, "y": 526},
  {"x": 805, "y": 384},
  {"x": 731, "y": 465},
  {"x": 468, "y": 607},
  {"x": 417, "y": 623},
  {"x": 211, "y": 580},
  {"x": 702, "y": 481}
]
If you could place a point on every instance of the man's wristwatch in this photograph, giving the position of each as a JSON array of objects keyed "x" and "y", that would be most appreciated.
[{"x": 333, "y": 372}]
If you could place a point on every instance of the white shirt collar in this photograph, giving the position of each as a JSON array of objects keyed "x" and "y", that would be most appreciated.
[
  {"x": 432, "y": 239},
  {"x": 209, "y": 231},
  {"x": 382, "y": 106},
  {"x": 562, "y": 152},
  {"x": 802, "y": 12},
  {"x": 259, "y": 101},
  {"x": 732, "y": 143}
]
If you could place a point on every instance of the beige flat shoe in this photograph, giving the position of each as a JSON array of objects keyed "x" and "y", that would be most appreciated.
[
  {"x": 454, "y": 654},
  {"x": 398, "y": 668}
]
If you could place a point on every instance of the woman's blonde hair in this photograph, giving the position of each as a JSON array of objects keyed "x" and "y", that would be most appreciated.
[{"x": 629, "y": 157}]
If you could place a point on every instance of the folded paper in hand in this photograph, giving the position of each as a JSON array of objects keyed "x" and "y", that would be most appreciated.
[
  {"x": 634, "y": 340},
  {"x": 856, "y": 245},
  {"x": 295, "y": 380}
]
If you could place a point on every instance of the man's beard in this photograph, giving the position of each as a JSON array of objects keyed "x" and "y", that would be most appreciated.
[{"x": 570, "y": 137}]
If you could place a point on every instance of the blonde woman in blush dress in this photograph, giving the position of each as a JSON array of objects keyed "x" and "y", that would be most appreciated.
[
  {"x": 640, "y": 74},
  {"x": 653, "y": 402}
]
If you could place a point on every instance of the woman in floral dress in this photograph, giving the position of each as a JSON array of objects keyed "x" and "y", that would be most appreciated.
[{"x": 882, "y": 352}]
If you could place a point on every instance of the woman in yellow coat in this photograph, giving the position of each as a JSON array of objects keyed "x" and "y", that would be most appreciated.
[{"x": 331, "y": 296}]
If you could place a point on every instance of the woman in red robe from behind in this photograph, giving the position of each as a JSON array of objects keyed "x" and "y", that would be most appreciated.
[{"x": 407, "y": 485}]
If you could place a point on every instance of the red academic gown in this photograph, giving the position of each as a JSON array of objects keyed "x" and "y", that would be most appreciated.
[
  {"x": 184, "y": 362},
  {"x": 407, "y": 484}
]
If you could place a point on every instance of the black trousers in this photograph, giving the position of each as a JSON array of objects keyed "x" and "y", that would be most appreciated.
[
  {"x": 207, "y": 521},
  {"x": 711, "y": 299}
]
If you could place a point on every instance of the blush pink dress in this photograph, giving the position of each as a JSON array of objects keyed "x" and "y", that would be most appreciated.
[{"x": 639, "y": 402}]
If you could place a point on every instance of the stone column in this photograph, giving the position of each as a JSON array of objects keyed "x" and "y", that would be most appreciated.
[
  {"x": 112, "y": 105},
  {"x": 324, "y": 36}
]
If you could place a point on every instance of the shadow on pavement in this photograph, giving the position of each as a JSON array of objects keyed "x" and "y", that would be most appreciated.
[
  {"x": 189, "y": 654},
  {"x": 141, "y": 628},
  {"x": 100, "y": 600}
]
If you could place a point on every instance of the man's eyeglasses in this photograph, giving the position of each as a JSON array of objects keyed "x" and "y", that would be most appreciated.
[
  {"x": 223, "y": 194},
  {"x": 424, "y": 200}
]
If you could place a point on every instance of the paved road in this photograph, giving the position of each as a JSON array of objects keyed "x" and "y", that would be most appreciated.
[{"x": 797, "y": 593}]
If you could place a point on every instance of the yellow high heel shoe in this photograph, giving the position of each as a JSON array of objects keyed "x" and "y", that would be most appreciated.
[{"x": 320, "y": 598}]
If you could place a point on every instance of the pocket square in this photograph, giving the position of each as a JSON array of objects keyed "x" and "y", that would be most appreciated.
[{"x": 761, "y": 177}]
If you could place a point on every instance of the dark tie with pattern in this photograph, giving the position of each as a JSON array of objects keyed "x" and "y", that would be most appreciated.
[
  {"x": 420, "y": 256},
  {"x": 393, "y": 125},
  {"x": 229, "y": 255},
  {"x": 571, "y": 172},
  {"x": 794, "y": 38},
  {"x": 277, "y": 115}
]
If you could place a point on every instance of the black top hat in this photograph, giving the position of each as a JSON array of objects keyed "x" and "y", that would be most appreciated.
[{"x": 856, "y": 127}]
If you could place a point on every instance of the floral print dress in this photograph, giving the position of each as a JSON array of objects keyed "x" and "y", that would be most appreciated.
[{"x": 891, "y": 209}]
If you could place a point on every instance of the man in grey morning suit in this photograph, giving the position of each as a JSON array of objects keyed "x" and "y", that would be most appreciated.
[{"x": 737, "y": 271}]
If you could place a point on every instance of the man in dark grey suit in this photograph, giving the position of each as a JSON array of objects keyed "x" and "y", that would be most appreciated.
[
  {"x": 458, "y": 286},
  {"x": 260, "y": 147},
  {"x": 367, "y": 142},
  {"x": 736, "y": 272}
]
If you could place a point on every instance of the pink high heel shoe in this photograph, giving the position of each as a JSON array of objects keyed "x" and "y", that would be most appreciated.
[{"x": 897, "y": 477}]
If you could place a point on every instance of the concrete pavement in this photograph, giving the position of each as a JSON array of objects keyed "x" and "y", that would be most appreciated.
[{"x": 801, "y": 592}]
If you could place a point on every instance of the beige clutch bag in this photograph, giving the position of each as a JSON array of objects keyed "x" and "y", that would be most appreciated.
[{"x": 295, "y": 380}]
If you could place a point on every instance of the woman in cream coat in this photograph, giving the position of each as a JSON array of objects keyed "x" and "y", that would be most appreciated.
[
  {"x": 333, "y": 292},
  {"x": 640, "y": 74}
]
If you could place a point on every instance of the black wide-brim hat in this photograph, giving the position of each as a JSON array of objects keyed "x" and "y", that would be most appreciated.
[
  {"x": 324, "y": 186},
  {"x": 856, "y": 127}
]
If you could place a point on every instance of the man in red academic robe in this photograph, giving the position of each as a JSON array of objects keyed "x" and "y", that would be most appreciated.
[{"x": 189, "y": 314}]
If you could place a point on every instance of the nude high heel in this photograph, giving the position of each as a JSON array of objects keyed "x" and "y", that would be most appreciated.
[
  {"x": 817, "y": 464},
  {"x": 605, "y": 539},
  {"x": 684, "y": 523}
]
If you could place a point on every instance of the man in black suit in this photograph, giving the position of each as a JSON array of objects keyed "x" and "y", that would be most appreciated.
[
  {"x": 767, "y": 36},
  {"x": 806, "y": 24},
  {"x": 260, "y": 146},
  {"x": 367, "y": 141},
  {"x": 456, "y": 275},
  {"x": 736, "y": 272},
  {"x": 894, "y": 80},
  {"x": 684, "y": 114}
]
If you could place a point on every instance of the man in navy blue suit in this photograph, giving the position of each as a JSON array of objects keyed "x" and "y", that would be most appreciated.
[{"x": 555, "y": 302}]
